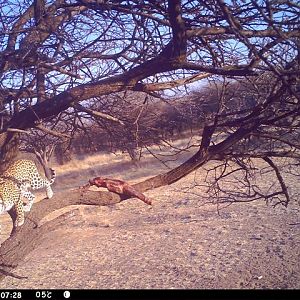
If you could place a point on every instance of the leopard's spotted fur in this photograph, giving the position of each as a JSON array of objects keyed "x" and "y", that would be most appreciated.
[
  {"x": 20, "y": 176},
  {"x": 11, "y": 195}
]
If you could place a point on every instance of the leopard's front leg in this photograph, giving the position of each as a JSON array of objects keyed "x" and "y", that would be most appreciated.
[
  {"x": 20, "y": 212},
  {"x": 28, "y": 195}
]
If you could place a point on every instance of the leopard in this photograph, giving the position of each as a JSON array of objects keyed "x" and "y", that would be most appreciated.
[
  {"x": 16, "y": 182},
  {"x": 11, "y": 193}
]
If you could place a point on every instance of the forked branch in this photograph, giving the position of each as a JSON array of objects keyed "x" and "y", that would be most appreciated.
[{"x": 280, "y": 180}]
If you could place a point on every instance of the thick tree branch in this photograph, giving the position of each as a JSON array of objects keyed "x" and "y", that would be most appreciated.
[
  {"x": 179, "y": 43},
  {"x": 232, "y": 70},
  {"x": 212, "y": 31}
]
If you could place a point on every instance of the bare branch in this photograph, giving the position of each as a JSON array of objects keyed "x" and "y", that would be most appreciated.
[
  {"x": 280, "y": 180},
  {"x": 97, "y": 114},
  {"x": 52, "y": 132}
]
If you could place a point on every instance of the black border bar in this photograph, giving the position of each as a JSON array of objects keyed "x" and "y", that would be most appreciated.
[{"x": 75, "y": 294}]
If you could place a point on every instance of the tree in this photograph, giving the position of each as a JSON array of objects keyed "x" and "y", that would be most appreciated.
[{"x": 58, "y": 57}]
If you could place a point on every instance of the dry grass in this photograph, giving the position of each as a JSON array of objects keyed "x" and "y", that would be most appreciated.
[{"x": 119, "y": 165}]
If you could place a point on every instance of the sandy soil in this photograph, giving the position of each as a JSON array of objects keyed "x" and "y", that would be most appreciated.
[{"x": 178, "y": 243}]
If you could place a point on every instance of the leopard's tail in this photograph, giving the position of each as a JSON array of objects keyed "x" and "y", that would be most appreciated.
[{"x": 52, "y": 175}]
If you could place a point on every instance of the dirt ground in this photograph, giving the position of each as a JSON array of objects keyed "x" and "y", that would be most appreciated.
[{"x": 177, "y": 243}]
